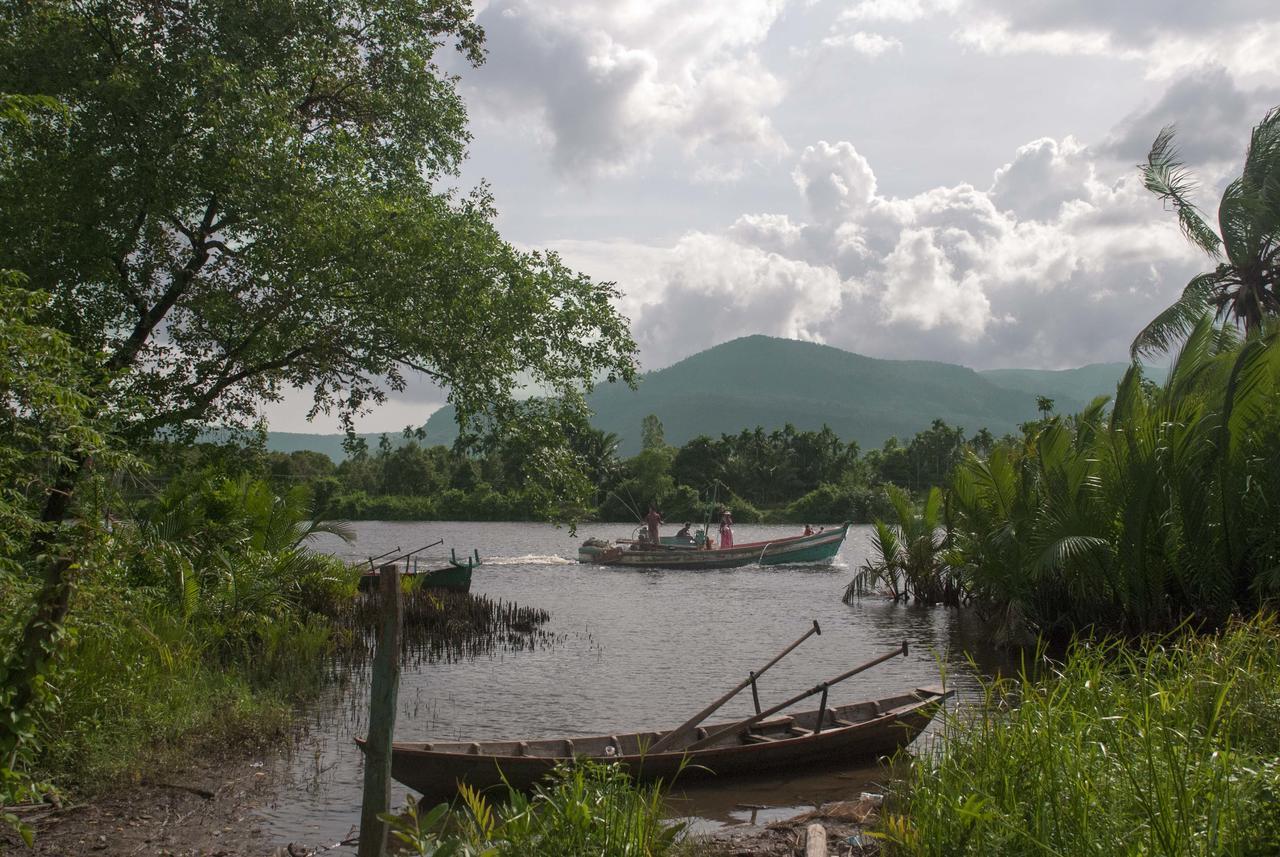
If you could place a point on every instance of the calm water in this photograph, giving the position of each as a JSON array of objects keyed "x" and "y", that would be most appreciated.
[{"x": 636, "y": 650}]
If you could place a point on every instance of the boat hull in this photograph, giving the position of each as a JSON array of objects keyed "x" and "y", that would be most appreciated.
[
  {"x": 882, "y": 727},
  {"x": 454, "y": 577},
  {"x": 818, "y": 547}
]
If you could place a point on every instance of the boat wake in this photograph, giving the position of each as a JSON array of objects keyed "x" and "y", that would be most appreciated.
[{"x": 528, "y": 559}]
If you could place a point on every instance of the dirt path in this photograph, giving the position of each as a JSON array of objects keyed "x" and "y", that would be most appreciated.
[{"x": 202, "y": 811}]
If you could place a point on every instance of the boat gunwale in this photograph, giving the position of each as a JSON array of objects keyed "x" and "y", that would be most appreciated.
[{"x": 925, "y": 696}]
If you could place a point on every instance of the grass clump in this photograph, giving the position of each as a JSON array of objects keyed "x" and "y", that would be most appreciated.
[
  {"x": 582, "y": 810},
  {"x": 1170, "y": 750}
]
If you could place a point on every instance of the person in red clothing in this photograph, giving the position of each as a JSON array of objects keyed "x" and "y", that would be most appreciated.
[
  {"x": 654, "y": 520},
  {"x": 808, "y": 529},
  {"x": 726, "y": 529}
]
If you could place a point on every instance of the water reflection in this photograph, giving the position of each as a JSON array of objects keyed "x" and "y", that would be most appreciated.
[{"x": 635, "y": 650}]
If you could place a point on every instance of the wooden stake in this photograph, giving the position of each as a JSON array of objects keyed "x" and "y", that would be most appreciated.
[
  {"x": 815, "y": 841},
  {"x": 384, "y": 689}
]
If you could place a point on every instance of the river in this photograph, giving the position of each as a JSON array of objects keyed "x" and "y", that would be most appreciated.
[{"x": 634, "y": 650}]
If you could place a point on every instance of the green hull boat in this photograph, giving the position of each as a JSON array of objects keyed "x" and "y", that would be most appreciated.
[{"x": 629, "y": 553}]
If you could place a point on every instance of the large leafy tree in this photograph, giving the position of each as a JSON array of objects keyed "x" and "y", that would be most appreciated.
[
  {"x": 1244, "y": 287},
  {"x": 238, "y": 198}
]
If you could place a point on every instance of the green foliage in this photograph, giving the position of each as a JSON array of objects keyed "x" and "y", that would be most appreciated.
[
  {"x": 283, "y": 213},
  {"x": 1244, "y": 288},
  {"x": 651, "y": 433},
  {"x": 583, "y": 810},
  {"x": 907, "y": 555},
  {"x": 1171, "y": 750},
  {"x": 1132, "y": 520}
]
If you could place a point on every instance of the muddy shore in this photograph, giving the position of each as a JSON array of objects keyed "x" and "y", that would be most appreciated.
[{"x": 208, "y": 810}]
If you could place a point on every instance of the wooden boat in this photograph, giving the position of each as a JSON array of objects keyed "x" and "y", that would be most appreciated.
[
  {"x": 641, "y": 554},
  {"x": 455, "y": 575},
  {"x": 848, "y": 733}
]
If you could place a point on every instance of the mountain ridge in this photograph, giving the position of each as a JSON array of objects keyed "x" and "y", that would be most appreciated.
[{"x": 766, "y": 381}]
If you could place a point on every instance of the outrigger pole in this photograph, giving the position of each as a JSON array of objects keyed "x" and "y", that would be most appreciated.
[
  {"x": 671, "y": 737},
  {"x": 822, "y": 688}
]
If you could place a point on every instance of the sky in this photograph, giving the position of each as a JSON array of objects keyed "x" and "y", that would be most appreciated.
[{"x": 950, "y": 180}]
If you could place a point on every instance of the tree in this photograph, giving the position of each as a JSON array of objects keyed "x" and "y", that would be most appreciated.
[
  {"x": 1044, "y": 405},
  {"x": 651, "y": 435},
  {"x": 239, "y": 198},
  {"x": 1245, "y": 285}
]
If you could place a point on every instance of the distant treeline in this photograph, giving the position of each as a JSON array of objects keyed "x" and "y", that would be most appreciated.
[{"x": 785, "y": 476}]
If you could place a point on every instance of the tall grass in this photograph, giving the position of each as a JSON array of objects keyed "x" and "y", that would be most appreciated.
[
  {"x": 1171, "y": 750},
  {"x": 582, "y": 810}
]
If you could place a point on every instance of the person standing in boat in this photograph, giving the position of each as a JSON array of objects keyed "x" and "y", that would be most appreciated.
[
  {"x": 654, "y": 520},
  {"x": 726, "y": 529}
]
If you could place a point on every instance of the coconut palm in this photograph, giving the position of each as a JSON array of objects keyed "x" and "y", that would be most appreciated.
[{"x": 1245, "y": 286}]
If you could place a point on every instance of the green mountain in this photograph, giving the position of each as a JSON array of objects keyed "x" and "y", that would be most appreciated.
[
  {"x": 759, "y": 380},
  {"x": 1080, "y": 385},
  {"x": 329, "y": 444}
]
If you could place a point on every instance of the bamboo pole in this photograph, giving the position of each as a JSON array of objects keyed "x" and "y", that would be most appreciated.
[
  {"x": 818, "y": 688},
  {"x": 671, "y": 737},
  {"x": 384, "y": 688}
]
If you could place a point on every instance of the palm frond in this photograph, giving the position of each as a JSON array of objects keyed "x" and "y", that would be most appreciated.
[
  {"x": 1167, "y": 177},
  {"x": 1175, "y": 323}
]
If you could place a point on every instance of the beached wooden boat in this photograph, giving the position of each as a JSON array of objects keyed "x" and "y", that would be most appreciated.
[
  {"x": 637, "y": 554},
  {"x": 455, "y": 575},
  {"x": 861, "y": 731}
]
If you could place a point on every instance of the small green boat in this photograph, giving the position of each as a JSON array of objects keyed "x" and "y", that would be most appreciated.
[{"x": 455, "y": 576}]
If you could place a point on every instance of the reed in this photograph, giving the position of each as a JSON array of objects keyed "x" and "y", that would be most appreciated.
[
  {"x": 1171, "y": 750},
  {"x": 441, "y": 625},
  {"x": 581, "y": 810}
]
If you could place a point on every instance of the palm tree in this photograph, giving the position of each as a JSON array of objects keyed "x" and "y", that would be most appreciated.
[{"x": 1245, "y": 285}]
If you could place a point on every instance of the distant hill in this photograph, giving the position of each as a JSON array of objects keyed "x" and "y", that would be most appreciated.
[
  {"x": 759, "y": 380},
  {"x": 1077, "y": 385},
  {"x": 329, "y": 444}
]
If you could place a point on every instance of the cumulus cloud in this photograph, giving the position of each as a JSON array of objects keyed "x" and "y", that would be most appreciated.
[
  {"x": 603, "y": 83},
  {"x": 1054, "y": 264},
  {"x": 1212, "y": 115}
]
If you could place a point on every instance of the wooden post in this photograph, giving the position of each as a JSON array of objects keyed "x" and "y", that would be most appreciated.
[
  {"x": 384, "y": 688},
  {"x": 815, "y": 841}
]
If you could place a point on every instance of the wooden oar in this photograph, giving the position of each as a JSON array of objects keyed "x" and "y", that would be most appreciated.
[
  {"x": 818, "y": 688},
  {"x": 412, "y": 552},
  {"x": 672, "y": 736},
  {"x": 380, "y": 556}
]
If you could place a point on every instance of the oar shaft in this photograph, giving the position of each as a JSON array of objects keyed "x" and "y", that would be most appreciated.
[
  {"x": 672, "y": 736},
  {"x": 818, "y": 688},
  {"x": 417, "y": 550}
]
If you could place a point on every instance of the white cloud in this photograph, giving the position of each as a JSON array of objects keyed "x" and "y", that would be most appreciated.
[
  {"x": 835, "y": 179},
  {"x": 1166, "y": 38},
  {"x": 897, "y": 10},
  {"x": 1042, "y": 177},
  {"x": 1050, "y": 266},
  {"x": 922, "y": 289},
  {"x": 868, "y": 44},
  {"x": 606, "y": 83}
]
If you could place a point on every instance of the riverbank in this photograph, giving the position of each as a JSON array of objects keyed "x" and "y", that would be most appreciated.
[{"x": 207, "y": 807}]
